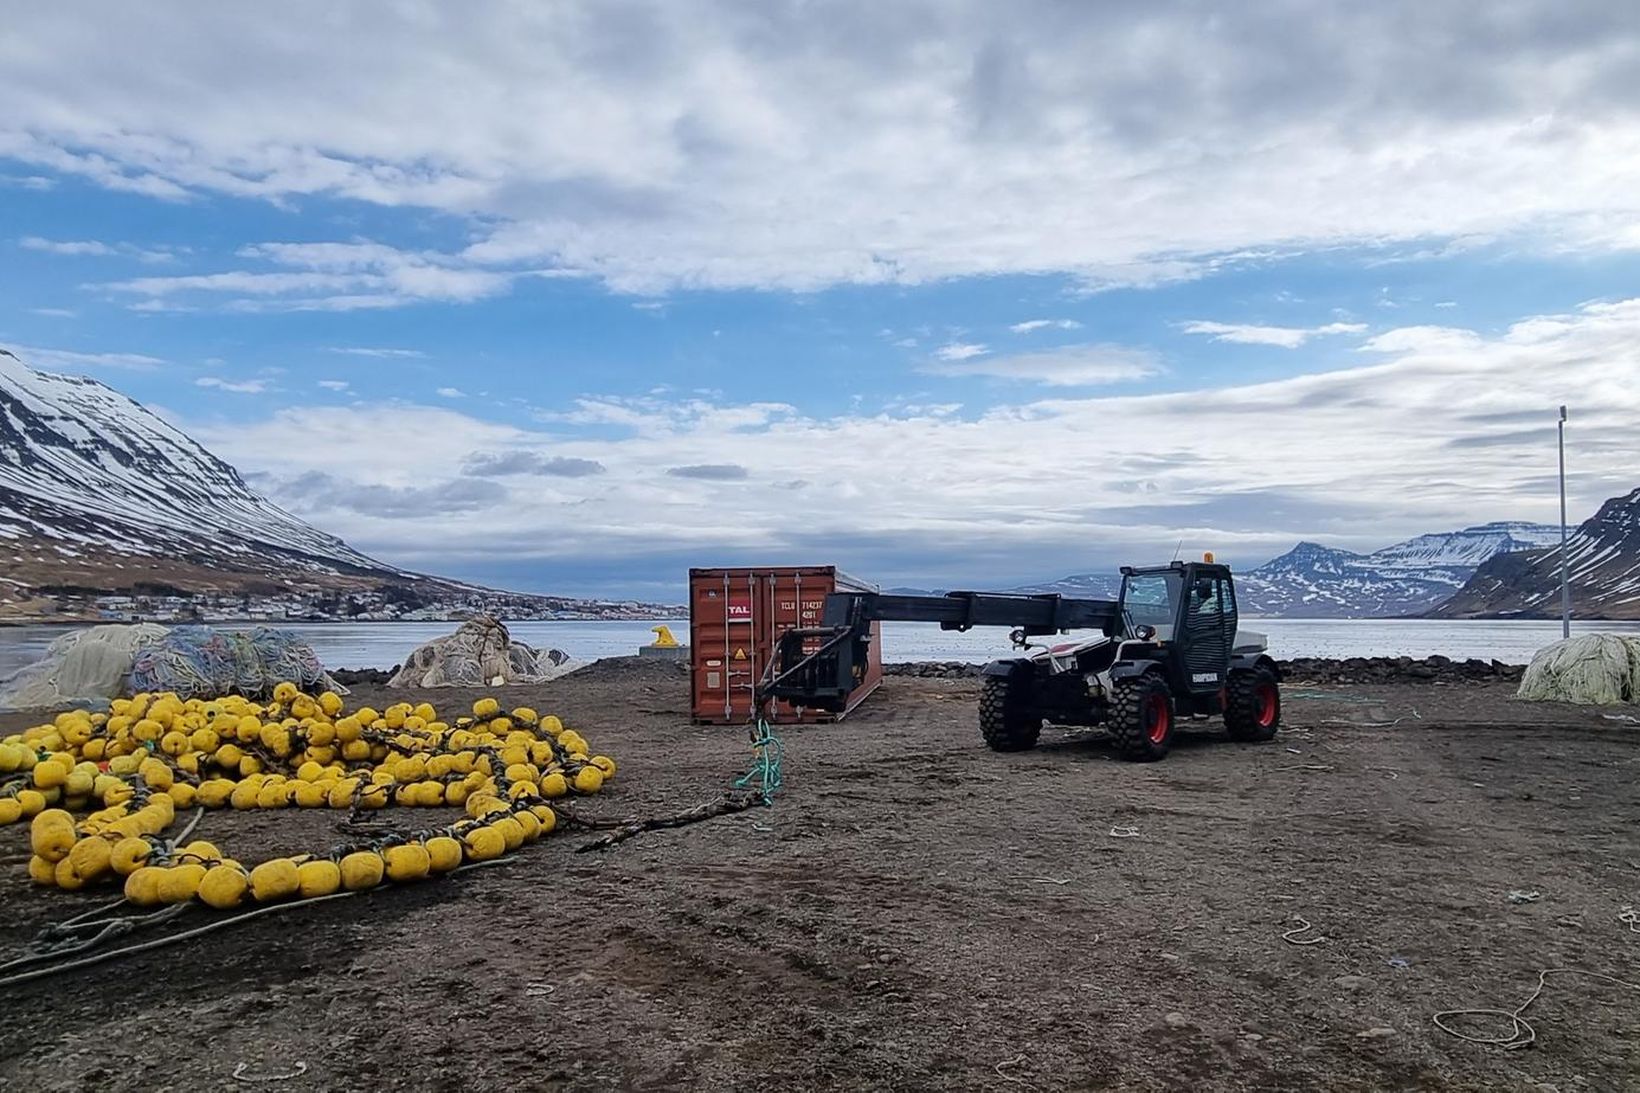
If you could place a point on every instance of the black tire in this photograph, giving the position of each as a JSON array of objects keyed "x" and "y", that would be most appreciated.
[
  {"x": 1252, "y": 706},
  {"x": 1142, "y": 718},
  {"x": 1007, "y": 720}
]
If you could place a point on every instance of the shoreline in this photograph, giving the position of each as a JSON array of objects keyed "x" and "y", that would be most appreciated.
[
  {"x": 277, "y": 623},
  {"x": 1434, "y": 669}
]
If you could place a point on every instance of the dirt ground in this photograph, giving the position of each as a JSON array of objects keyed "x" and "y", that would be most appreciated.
[{"x": 916, "y": 912}]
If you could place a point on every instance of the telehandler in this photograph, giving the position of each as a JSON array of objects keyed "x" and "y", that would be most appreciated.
[{"x": 1167, "y": 648}]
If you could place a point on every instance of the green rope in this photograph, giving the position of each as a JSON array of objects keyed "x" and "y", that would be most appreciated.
[{"x": 766, "y": 767}]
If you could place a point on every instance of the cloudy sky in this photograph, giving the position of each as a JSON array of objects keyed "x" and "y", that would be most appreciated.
[{"x": 572, "y": 296}]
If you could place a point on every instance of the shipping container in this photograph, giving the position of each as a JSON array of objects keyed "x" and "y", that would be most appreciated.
[{"x": 736, "y": 616}]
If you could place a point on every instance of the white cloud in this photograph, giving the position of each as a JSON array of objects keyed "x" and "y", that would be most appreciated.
[
  {"x": 1410, "y": 338},
  {"x": 241, "y": 387},
  {"x": 961, "y": 351},
  {"x": 331, "y": 277},
  {"x": 334, "y": 385},
  {"x": 451, "y": 392},
  {"x": 365, "y": 351},
  {"x": 1070, "y": 366},
  {"x": 28, "y": 182},
  {"x": 54, "y": 312},
  {"x": 779, "y": 146},
  {"x": 81, "y": 247},
  {"x": 1030, "y": 325},
  {"x": 95, "y": 248},
  {"x": 74, "y": 361},
  {"x": 1444, "y": 431},
  {"x": 1286, "y": 337}
]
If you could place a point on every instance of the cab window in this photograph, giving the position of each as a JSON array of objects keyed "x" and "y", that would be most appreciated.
[{"x": 1149, "y": 598}]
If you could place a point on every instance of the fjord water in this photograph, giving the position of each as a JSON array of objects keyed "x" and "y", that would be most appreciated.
[{"x": 384, "y": 644}]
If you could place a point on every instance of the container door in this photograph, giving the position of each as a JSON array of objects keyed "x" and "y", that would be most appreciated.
[
  {"x": 721, "y": 614},
  {"x": 708, "y": 638},
  {"x": 740, "y": 646},
  {"x": 797, "y": 600}
]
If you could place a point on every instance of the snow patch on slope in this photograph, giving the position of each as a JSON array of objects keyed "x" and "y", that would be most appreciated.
[{"x": 82, "y": 465}]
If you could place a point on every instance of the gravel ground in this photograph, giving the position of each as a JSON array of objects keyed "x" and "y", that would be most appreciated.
[{"x": 916, "y": 912}]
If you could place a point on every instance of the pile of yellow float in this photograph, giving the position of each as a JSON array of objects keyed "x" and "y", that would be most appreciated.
[{"x": 135, "y": 766}]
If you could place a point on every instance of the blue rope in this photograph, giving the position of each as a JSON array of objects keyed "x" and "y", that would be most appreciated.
[{"x": 766, "y": 767}]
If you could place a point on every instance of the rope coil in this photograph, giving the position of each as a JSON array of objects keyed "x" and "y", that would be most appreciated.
[
  {"x": 765, "y": 772},
  {"x": 1521, "y": 1033}
]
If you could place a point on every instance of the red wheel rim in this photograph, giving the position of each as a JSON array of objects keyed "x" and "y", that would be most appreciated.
[
  {"x": 1267, "y": 705},
  {"x": 1159, "y": 717}
]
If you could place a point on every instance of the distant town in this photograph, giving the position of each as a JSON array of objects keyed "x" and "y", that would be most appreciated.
[{"x": 392, "y": 603}]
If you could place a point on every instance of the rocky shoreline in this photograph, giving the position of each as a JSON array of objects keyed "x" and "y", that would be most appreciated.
[{"x": 1432, "y": 669}]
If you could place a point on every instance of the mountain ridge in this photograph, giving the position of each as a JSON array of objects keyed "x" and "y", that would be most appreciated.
[
  {"x": 1603, "y": 564},
  {"x": 1312, "y": 580},
  {"x": 99, "y": 496}
]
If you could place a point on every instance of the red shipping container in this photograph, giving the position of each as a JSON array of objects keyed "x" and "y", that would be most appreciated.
[{"x": 736, "y": 616}]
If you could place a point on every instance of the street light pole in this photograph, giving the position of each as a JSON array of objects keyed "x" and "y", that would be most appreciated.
[{"x": 1565, "y": 580}]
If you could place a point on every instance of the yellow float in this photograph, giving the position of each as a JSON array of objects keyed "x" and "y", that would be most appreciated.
[{"x": 128, "y": 772}]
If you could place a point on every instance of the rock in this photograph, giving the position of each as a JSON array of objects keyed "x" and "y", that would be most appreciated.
[
  {"x": 352, "y": 677},
  {"x": 1252, "y": 1037},
  {"x": 1177, "y": 1020},
  {"x": 1436, "y": 669},
  {"x": 1353, "y": 982},
  {"x": 933, "y": 669},
  {"x": 1377, "y": 1032}
]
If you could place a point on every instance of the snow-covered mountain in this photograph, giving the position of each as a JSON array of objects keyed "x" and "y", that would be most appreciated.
[
  {"x": 101, "y": 498},
  {"x": 1315, "y": 581},
  {"x": 1465, "y": 549},
  {"x": 84, "y": 468},
  {"x": 1407, "y": 578},
  {"x": 1603, "y": 566},
  {"x": 1092, "y": 586}
]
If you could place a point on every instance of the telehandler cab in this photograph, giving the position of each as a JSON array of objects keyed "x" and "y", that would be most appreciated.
[{"x": 1168, "y": 648}]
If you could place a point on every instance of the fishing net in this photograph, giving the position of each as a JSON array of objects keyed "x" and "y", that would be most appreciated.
[
  {"x": 1590, "y": 669},
  {"x": 481, "y": 653},
  {"x": 203, "y": 662},
  {"x": 81, "y": 666}
]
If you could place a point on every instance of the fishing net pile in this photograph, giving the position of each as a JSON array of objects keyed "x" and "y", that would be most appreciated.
[
  {"x": 103, "y": 662},
  {"x": 1590, "y": 669},
  {"x": 100, "y": 791},
  {"x": 481, "y": 653},
  {"x": 79, "y": 666},
  {"x": 201, "y": 662}
]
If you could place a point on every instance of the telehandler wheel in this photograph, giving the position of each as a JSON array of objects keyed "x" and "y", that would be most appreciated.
[
  {"x": 1006, "y": 719},
  {"x": 1141, "y": 717},
  {"x": 1252, "y": 704}
]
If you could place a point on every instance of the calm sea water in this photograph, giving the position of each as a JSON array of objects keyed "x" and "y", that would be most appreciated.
[{"x": 383, "y": 644}]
